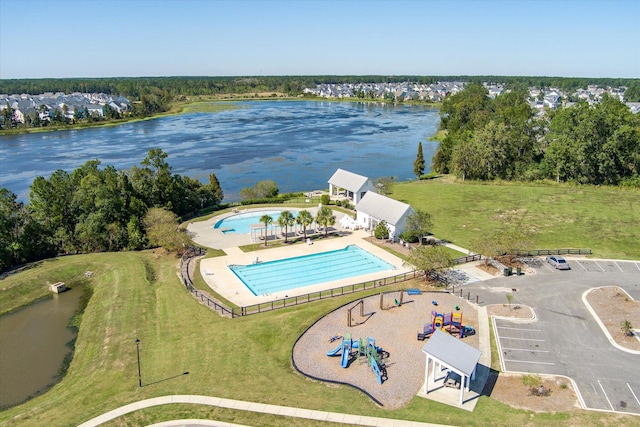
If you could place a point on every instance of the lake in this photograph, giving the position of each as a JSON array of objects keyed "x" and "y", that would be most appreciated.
[{"x": 298, "y": 144}]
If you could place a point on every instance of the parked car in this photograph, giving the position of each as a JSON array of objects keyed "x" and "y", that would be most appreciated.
[{"x": 558, "y": 262}]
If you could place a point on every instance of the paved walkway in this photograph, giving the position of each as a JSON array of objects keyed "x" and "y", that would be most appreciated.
[{"x": 240, "y": 405}]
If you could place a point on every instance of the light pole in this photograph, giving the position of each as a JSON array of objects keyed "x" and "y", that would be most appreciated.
[{"x": 138, "y": 351}]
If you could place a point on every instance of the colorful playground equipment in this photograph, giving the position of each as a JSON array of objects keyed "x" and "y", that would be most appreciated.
[
  {"x": 442, "y": 321},
  {"x": 350, "y": 348}
]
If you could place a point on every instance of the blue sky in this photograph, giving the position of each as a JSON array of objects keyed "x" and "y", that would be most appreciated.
[{"x": 96, "y": 38}]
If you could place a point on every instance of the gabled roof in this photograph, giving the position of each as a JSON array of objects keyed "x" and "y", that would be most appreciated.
[
  {"x": 383, "y": 207},
  {"x": 452, "y": 352},
  {"x": 348, "y": 180}
]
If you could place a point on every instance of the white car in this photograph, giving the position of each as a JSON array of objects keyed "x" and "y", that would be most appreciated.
[{"x": 558, "y": 262}]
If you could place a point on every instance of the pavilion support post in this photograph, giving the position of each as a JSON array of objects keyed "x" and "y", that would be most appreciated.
[{"x": 426, "y": 377}]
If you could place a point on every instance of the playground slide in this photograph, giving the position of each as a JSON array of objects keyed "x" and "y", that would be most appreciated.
[
  {"x": 376, "y": 370},
  {"x": 428, "y": 329},
  {"x": 346, "y": 352},
  {"x": 335, "y": 351}
]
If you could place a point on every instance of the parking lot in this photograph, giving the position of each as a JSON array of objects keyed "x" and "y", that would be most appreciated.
[
  {"x": 565, "y": 339},
  {"x": 594, "y": 266}
]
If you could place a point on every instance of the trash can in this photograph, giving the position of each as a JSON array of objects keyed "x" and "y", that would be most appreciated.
[
  {"x": 507, "y": 272},
  {"x": 518, "y": 271}
]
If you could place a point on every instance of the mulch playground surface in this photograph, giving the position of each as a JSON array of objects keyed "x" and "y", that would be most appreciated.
[{"x": 394, "y": 329}]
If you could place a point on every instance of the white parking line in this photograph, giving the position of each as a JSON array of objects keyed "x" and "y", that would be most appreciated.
[
  {"x": 617, "y": 265},
  {"x": 634, "y": 395},
  {"x": 580, "y": 264},
  {"x": 526, "y": 349},
  {"x": 605, "y": 395},
  {"x": 637, "y": 265},
  {"x": 603, "y": 270},
  {"x": 546, "y": 264},
  {"x": 520, "y": 339},
  {"x": 525, "y": 361},
  {"x": 519, "y": 329}
]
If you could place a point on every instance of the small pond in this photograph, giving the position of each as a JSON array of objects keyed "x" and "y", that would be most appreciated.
[{"x": 34, "y": 344}]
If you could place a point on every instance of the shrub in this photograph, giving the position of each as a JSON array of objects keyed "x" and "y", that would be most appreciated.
[
  {"x": 345, "y": 204},
  {"x": 531, "y": 380},
  {"x": 325, "y": 199},
  {"x": 381, "y": 231},
  {"x": 627, "y": 328}
]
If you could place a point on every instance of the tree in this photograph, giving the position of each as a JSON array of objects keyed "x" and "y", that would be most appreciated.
[
  {"x": 286, "y": 220},
  {"x": 429, "y": 258},
  {"x": 52, "y": 206},
  {"x": 593, "y": 144},
  {"x": 418, "y": 225},
  {"x": 304, "y": 219},
  {"x": 486, "y": 155},
  {"x": 381, "y": 231},
  {"x": 511, "y": 232},
  {"x": 325, "y": 218},
  {"x": 262, "y": 189},
  {"x": 16, "y": 243},
  {"x": 162, "y": 229},
  {"x": 509, "y": 299},
  {"x": 418, "y": 163},
  {"x": 8, "y": 117},
  {"x": 267, "y": 188},
  {"x": 214, "y": 184},
  {"x": 266, "y": 220}
]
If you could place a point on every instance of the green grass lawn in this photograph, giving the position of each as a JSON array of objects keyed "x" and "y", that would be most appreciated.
[
  {"x": 604, "y": 219},
  {"x": 138, "y": 295}
]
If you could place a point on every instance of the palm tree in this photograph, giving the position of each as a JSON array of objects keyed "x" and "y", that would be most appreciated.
[
  {"x": 266, "y": 220},
  {"x": 286, "y": 220},
  {"x": 325, "y": 218},
  {"x": 304, "y": 219}
]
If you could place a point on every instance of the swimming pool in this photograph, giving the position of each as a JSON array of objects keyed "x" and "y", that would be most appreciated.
[
  {"x": 290, "y": 273},
  {"x": 240, "y": 223}
]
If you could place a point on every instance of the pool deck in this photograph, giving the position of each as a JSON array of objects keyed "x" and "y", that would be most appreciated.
[
  {"x": 203, "y": 233},
  {"x": 221, "y": 279}
]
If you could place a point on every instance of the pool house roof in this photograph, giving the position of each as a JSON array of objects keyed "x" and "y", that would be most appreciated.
[
  {"x": 348, "y": 180},
  {"x": 383, "y": 208}
]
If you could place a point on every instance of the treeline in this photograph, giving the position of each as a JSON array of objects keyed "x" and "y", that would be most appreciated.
[
  {"x": 94, "y": 209},
  {"x": 503, "y": 138},
  {"x": 167, "y": 89}
]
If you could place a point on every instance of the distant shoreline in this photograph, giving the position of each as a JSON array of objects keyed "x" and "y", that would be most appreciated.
[{"x": 184, "y": 108}]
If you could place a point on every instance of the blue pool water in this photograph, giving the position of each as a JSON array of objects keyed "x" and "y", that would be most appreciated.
[
  {"x": 240, "y": 223},
  {"x": 285, "y": 274}
]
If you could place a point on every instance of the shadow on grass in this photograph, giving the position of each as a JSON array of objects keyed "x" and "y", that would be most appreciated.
[{"x": 166, "y": 379}]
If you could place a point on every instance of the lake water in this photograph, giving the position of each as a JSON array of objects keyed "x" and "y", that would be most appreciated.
[{"x": 298, "y": 144}]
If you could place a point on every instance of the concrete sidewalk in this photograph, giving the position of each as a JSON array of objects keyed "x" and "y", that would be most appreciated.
[{"x": 240, "y": 405}]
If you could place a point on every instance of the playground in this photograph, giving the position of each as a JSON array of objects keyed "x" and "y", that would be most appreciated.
[{"x": 387, "y": 335}]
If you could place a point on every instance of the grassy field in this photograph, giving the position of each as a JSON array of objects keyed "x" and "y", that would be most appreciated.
[
  {"x": 138, "y": 295},
  {"x": 604, "y": 219}
]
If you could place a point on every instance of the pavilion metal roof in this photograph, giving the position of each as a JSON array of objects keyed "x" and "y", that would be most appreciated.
[{"x": 452, "y": 352}]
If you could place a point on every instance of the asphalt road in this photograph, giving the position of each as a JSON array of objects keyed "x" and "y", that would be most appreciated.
[{"x": 566, "y": 339}]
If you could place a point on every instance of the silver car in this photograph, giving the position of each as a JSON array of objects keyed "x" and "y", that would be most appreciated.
[{"x": 558, "y": 262}]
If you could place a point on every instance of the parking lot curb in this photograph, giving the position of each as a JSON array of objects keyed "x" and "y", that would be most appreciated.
[{"x": 602, "y": 326}]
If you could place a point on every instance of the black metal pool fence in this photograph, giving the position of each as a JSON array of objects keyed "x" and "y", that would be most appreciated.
[{"x": 193, "y": 252}]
